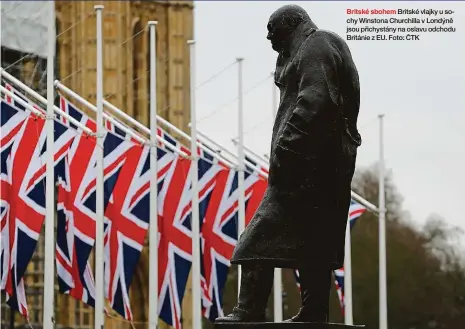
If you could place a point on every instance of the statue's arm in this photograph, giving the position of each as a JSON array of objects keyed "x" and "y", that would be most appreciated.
[{"x": 317, "y": 81}]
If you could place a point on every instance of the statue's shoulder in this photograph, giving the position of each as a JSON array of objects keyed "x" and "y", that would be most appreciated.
[
  {"x": 327, "y": 42},
  {"x": 325, "y": 35}
]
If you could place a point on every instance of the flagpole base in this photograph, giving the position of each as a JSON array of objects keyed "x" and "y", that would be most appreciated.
[{"x": 284, "y": 325}]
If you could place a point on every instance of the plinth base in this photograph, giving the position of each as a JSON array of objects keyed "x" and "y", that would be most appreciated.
[{"x": 283, "y": 325}]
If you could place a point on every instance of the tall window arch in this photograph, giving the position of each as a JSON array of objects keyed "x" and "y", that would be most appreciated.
[{"x": 137, "y": 65}]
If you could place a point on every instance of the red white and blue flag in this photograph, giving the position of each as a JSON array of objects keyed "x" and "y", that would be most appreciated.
[
  {"x": 127, "y": 221},
  {"x": 219, "y": 232},
  {"x": 175, "y": 214},
  {"x": 76, "y": 205},
  {"x": 12, "y": 121},
  {"x": 23, "y": 191}
]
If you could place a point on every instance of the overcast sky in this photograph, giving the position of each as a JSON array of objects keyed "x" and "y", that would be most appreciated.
[{"x": 419, "y": 86}]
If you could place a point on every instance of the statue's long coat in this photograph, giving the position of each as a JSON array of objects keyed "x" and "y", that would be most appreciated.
[{"x": 302, "y": 218}]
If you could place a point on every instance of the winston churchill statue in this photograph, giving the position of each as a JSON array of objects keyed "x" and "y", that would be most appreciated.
[{"x": 301, "y": 221}]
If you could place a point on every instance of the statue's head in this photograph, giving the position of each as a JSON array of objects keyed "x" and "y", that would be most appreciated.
[{"x": 282, "y": 23}]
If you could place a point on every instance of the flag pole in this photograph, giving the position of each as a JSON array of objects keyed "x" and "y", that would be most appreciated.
[
  {"x": 278, "y": 273},
  {"x": 196, "y": 256},
  {"x": 153, "y": 230},
  {"x": 241, "y": 160},
  {"x": 99, "y": 244},
  {"x": 347, "y": 306},
  {"x": 49, "y": 248},
  {"x": 382, "y": 233}
]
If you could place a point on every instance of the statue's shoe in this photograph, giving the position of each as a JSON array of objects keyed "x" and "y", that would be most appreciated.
[{"x": 240, "y": 315}]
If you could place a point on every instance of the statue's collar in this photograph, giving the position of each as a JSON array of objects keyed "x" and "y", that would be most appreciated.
[{"x": 299, "y": 35}]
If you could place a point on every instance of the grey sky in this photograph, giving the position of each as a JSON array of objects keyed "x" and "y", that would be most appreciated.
[{"x": 420, "y": 86}]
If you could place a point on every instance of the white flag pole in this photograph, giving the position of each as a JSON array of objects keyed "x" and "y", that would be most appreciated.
[
  {"x": 241, "y": 167},
  {"x": 49, "y": 250},
  {"x": 99, "y": 244},
  {"x": 348, "y": 315},
  {"x": 382, "y": 233},
  {"x": 278, "y": 273},
  {"x": 153, "y": 245},
  {"x": 196, "y": 256}
]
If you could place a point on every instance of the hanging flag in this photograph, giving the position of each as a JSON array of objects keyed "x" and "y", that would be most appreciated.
[
  {"x": 127, "y": 218},
  {"x": 125, "y": 210},
  {"x": 218, "y": 236},
  {"x": 116, "y": 285},
  {"x": 73, "y": 246},
  {"x": 76, "y": 205},
  {"x": 219, "y": 232},
  {"x": 78, "y": 115},
  {"x": 23, "y": 189},
  {"x": 11, "y": 122},
  {"x": 355, "y": 211},
  {"x": 175, "y": 246}
]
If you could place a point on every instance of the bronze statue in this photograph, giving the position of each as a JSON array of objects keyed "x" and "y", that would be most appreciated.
[{"x": 301, "y": 221}]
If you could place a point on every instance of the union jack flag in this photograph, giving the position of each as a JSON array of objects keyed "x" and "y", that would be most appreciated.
[
  {"x": 9, "y": 131},
  {"x": 119, "y": 265},
  {"x": 175, "y": 245},
  {"x": 70, "y": 242},
  {"x": 127, "y": 221},
  {"x": 132, "y": 211},
  {"x": 23, "y": 191},
  {"x": 76, "y": 205},
  {"x": 78, "y": 115},
  {"x": 355, "y": 211},
  {"x": 11, "y": 123},
  {"x": 218, "y": 236},
  {"x": 219, "y": 232}
]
